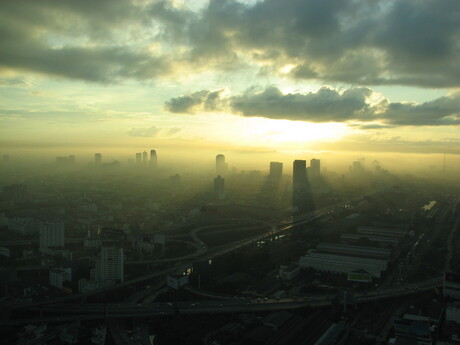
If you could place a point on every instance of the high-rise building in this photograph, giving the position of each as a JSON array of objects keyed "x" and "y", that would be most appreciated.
[
  {"x": 301, "y": 198},
  {"x": 315, "y": 168},
  {"x": 51, "y": 235},
  {"x": 219, "y": 191},
  {"x": 144, "y": 158},
  {"x": 299, "y": 175},
  {"x": 153, "y": 158},
  {"x": 276, "y": 170},
  {"x": 97, "y": 158},
  {"x": 109, "y": 264},
  {"x": 221, "y": 166},
  {"x": 138, "y": 158}
]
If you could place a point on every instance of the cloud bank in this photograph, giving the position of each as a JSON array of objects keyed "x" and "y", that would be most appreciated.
[
  {"x": 325, "y": 105},
  {"x": 358, "y": 42}
]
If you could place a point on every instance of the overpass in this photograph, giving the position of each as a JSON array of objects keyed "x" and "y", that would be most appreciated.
[{"x": 61, "y": 312}]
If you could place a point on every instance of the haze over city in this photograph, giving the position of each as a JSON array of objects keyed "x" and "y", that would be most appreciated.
[{"x": 230, "y": 172}]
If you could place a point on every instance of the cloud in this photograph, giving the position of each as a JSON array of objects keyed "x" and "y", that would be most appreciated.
[
  {"x": 359, "y": 42},
  {"x": 370, "y": 126},
  {"x": 324, "y": 105},
  {"x": 77, "y": 40},
  {"x": 144, "y": 132},
  {"x": 369, "y": 143},
  {"x": 173, "y": 131},
  {"x": 198, "y": 101},
  {"x": 153, "y": 132}
]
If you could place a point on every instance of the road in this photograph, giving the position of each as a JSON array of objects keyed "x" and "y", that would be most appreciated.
[{"x": 67, "y": 312}]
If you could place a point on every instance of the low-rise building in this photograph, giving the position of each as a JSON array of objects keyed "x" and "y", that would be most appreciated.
[
  {"x": 362, "y": 251},
  {"x": 58, "y": 275},
  {"x": 342, "y": 263},
  {"x": 451, "y": 285},
  {"x": 289, "y": 272},
  {"x": 386, "y": 242}
]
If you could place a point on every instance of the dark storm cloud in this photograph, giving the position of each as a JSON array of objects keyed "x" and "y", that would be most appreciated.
[
  {"x": 359, "y": 42},
  {"x": 203, "y": 100},
  {"x": 325, "y": 105},
  {"x": 441, "y": 111},
  {"x": 354, "y": 41},
  {"x": 42, "y": 37}
]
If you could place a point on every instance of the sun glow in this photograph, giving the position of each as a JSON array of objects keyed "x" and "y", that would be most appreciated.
[{"x": 293, "y": 132}]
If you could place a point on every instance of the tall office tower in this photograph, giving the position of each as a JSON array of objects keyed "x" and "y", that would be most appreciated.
[
  {"x": 109, "y": 264},
  {"x": 299, "y": 175},
  {"x": 221, "y": 166},
  {"x": 144, "y": 157},
  {"x": 138, "y": 158},
  {"x": 219, "y": 191},
  {"x": 51, "y": 235},
  {"x": 301, "y": 199},
  {"x": 276, "y": 170},
  {"x": 72, "y": 159},
  {"x": 153, "y": 158},
  {"x": 97, "y": 158},
  {"x": 315, "y": 167}
]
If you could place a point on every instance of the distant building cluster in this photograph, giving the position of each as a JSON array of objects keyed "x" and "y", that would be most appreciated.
[{"x": 142, "y": 159}]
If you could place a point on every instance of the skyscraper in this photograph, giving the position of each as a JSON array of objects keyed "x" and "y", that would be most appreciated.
[
  {"x": 315, "y": 168},
  {"x": 276, "y": 170},
  {"x": 109, "y": 264},
  {"x": 299, "y": 175},
  {"x": 144, "y": 158},
  {"x": 153, "y": 158},
  {"x": 97, "y": 158},
  {"x": 301, "y": 199},
  {"x": 138, "y": 158},
  {"x": 51, "y": 235},
  {"x": 219, "y": 191},
  {"x": 221, "y": 166}
]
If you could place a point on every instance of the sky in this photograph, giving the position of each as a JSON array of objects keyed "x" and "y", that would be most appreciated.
[{"x": 297, "y": 76}]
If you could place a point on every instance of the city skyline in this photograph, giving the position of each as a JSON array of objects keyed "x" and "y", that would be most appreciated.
[
  {"x": 230, "y": 172},
  {"x": 342, "y": 77}
]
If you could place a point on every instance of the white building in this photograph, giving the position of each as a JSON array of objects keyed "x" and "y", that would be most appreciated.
[
  {"x": 59, "y": 275},
  {"x": 342, "y": 263},
  {"x": 51, "y": 235},
  {"x": 109, "y": 264}
]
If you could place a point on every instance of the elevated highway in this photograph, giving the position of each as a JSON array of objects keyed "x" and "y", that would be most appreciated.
[{"x": 60, "y": 312}]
